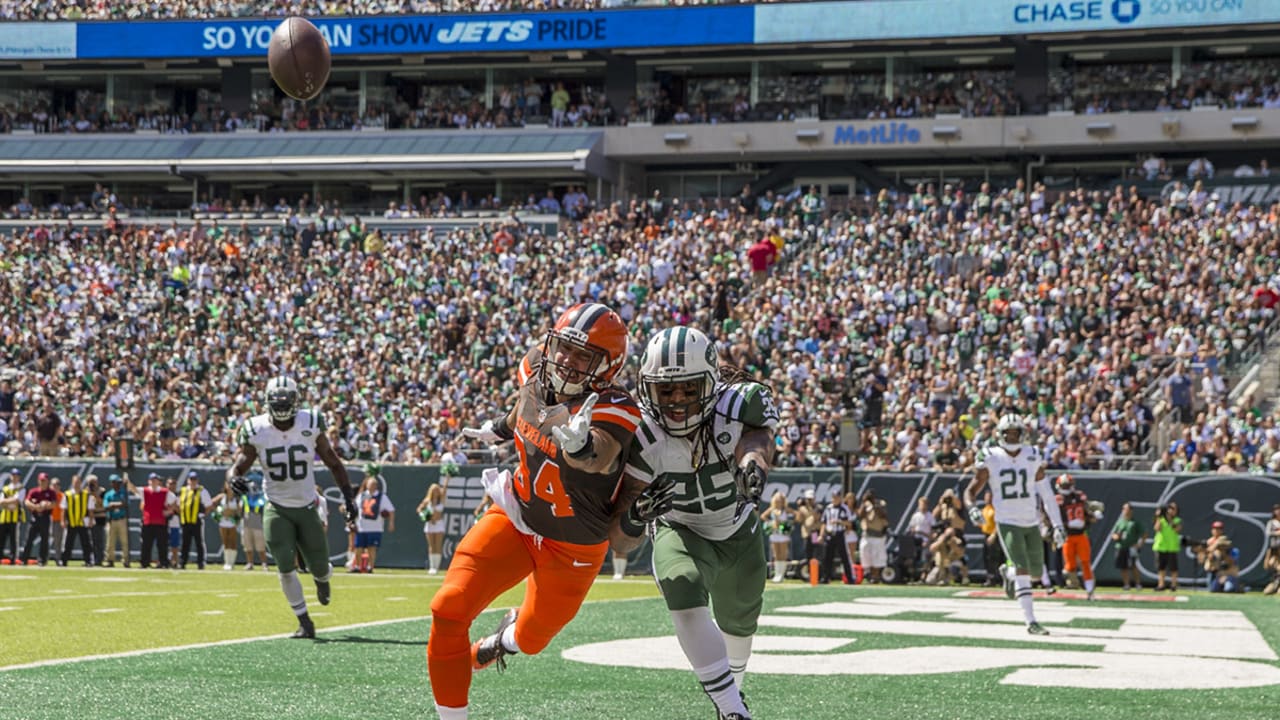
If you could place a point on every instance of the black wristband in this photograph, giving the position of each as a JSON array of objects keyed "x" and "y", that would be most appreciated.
[
  {"x": 627, "y": 523},
  {"x": 502, "y": 430},
  {"x": 586, "y": 451}
]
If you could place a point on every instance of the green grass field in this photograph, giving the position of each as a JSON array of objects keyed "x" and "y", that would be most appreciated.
[{"x": 159, "y": 644}]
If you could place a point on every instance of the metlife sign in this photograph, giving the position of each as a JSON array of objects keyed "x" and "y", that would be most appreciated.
[
  {"x": 905, "y": 19},
  {"x": 394, "y": 35}
]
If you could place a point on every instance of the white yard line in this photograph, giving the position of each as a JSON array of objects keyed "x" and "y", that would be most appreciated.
[
  {"x": 242, "y": 641},
  {"x": 197, "y": 646},
  {"x": 166, "y": 593}
]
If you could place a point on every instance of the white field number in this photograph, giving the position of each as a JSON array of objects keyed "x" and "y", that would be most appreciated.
[{"x": 1150, "y": 650}]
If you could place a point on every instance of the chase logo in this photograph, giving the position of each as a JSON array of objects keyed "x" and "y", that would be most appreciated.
[{"x": 1125, "y": 11}]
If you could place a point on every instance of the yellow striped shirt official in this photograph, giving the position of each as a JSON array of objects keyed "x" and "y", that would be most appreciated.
[
  {"x": 77, "y": 507},
  {"x": 14, "y": 514},
  {"x": 189, "y": 506}
]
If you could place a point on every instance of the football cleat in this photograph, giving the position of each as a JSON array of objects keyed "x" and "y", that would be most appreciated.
[
  {"x": 1008, "y": 582},
  {"x": 322, "y": 592},
  {"x": 489, "y": 649},
  {"x": 306, "y": 630},
  {"x": 1036, "y": 628}
]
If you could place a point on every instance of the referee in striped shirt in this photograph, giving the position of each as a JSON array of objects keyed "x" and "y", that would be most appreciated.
[{"x": 77, "y": 516}]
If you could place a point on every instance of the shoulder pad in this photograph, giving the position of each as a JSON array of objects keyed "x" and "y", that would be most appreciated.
[
  {"x": 749, "y": 403},
  {"x": 244, "y": 436},
  {"x": 528, "y": 368}
]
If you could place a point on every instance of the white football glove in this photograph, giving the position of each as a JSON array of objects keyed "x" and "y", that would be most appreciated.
[
  {"x": 484, "y": 434},
  {"x": 1059, "y": 536},
  {"x": 975, "y": 514},
  {"x": 574, "y": 435}
]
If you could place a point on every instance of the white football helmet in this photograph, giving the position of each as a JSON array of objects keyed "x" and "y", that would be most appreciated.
[
  {"x": 677, "y": 356},
  {"x": 1010, "y": 431},
  {"x": 283, "y": 399}
]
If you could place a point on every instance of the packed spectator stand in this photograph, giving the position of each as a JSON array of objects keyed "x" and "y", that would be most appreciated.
[{"x": 927, "y": 313}]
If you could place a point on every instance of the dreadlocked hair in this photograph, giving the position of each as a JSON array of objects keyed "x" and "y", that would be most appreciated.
[
  {"x": 703, "y": 442},
  {"x": 732, "y": 374}
]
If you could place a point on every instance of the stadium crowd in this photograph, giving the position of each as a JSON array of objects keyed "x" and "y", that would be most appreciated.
[
  {"x": 1133, "y": 87},
  {"x": 542, "y": 101},
  {"x": 150, "y": 10},
  {"x": 932, "y": 312}
]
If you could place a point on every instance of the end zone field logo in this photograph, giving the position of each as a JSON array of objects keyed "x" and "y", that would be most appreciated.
[{"x": 1211, "y": 649}]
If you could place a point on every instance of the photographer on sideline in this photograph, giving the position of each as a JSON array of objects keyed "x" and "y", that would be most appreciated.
[{"x": 1215, "y": 555}]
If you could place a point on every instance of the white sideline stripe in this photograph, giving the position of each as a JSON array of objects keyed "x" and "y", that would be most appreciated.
[
  {"x": 198, "y": 646},
  {"x": 163, "y": 593}
]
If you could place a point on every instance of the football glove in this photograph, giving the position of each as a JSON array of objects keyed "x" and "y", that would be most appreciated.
[
  {"x": 975, "y": 514},
  {"x": 349, "y": 507},
  {"x": 1059, "y": 536},
  {"x": 574, "y": 436},
  {"x": 240, "y": 485},
  {"x": 485, "y": 434},
  {"x": 654, "y": 502},
  {"x": 751, "y": 479}
]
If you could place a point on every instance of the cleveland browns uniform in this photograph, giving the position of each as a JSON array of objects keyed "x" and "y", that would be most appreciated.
[
  {"x": 557, "y": 501},
  {"x": 1077, "y": 553},
  {"x": 550, "y": 524}
]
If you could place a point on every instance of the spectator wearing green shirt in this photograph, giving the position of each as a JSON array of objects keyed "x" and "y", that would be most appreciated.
[
  {"x": 1128, "y": 535},
  {"x": 1168, "y": 542}
]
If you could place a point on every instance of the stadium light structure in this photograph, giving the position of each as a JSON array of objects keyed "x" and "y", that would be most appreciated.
[
  {"x": 675, "y": 138},
  {"x": 808, "y": 134},
  {"x": 1244, "y": 123},
  {"x": 946, "y": 133},
  {"x": 1100, "y": 129}
]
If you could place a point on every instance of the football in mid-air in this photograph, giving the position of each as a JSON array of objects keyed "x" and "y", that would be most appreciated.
[{"x": 299, "y": 58}]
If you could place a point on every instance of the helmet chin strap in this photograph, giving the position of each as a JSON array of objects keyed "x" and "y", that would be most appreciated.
[{"x": 1011, "y": 447}]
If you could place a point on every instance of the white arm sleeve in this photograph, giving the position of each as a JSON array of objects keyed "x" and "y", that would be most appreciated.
[{"x": 1050, "y": 501}]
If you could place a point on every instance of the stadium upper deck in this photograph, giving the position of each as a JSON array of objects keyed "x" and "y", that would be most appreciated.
[{"x": 853, "y": 65}]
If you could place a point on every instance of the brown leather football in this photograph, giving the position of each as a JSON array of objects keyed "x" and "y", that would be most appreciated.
[{"x": 299, "y": 58}]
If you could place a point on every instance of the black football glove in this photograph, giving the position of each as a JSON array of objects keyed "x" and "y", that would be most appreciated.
[
  {"x": 349, "y": 507},
  {"x": 751, "y": 479},
  {"x": 654, "y": 502},
  {"x": 240, "y": 485}
]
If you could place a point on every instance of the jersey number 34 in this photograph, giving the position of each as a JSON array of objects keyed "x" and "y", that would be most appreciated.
[{"x": 546, "y": 483}]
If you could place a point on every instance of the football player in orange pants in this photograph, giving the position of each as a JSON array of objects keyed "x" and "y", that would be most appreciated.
[
  {"x": 1077, "y": 553},
  {"x": 550, "y": 520}
]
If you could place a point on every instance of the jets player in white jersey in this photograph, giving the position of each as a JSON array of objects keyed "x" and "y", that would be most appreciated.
[
  {"x": 287, "y": 439},
  {"x": 1016, "y": 474},
  {"x": 698, "y": 464}
]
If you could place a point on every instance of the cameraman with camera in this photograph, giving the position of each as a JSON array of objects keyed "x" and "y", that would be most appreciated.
[
  {"x": 1167, "y": 545},
  {"x": 1216, "y": 556}
]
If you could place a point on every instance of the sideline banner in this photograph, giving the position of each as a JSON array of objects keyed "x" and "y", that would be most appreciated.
[
  {"x": 906, "y": 19},
  {"x": 38, "y": 41},
  {"x": 412, "y": 34},
  {"x": 1242, "y": 502}
]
